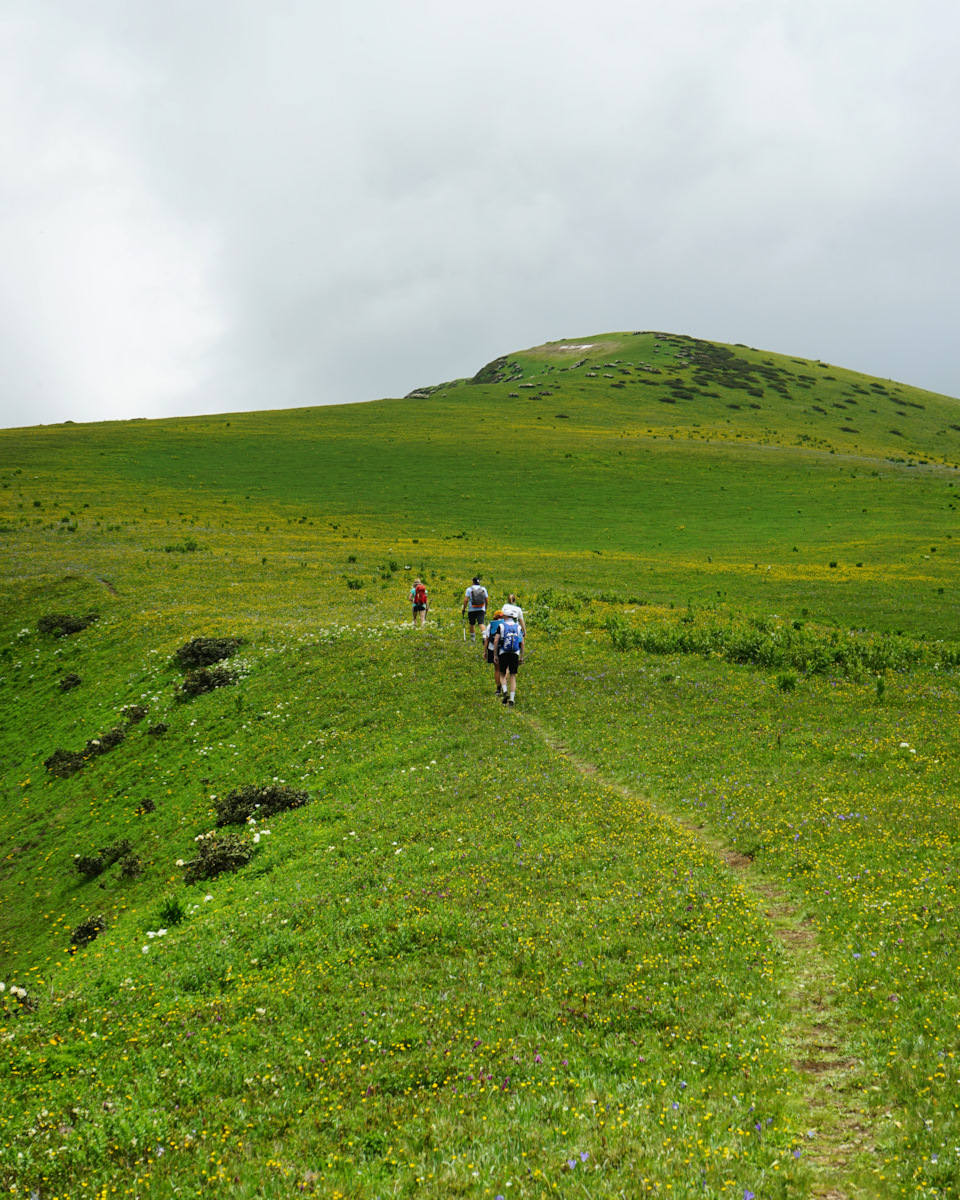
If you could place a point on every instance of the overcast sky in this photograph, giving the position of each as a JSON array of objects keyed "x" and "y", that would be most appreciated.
[{"x": 210, "y": 205}]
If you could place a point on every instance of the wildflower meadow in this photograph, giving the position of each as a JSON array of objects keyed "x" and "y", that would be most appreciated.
[{"x": 293, "y": 905}]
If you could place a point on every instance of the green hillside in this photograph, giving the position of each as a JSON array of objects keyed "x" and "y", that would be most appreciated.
[{"x": 682, "y": 923}]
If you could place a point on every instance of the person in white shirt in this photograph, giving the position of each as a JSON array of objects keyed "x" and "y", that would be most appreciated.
[
  {"x": 475, "y": 606},
  {"x": 513, "y": 609}
]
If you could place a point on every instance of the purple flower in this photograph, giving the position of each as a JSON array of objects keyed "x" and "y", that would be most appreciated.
[
  {"x": 571, "y": 1163},
  {"x": 537, "y": 1058},
  {"x": 584, "y": 1156},
  {"x": 683, "y": 1083},
  {"x": 564, "y": 1062},
  {"x": 674, "y": 1105},
  {"x": 748, "y": 1195},
  {"x": 797, "y": 1153}
]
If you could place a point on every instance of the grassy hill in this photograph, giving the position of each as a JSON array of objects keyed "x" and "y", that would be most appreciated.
[{"x": 684, "y": 917}]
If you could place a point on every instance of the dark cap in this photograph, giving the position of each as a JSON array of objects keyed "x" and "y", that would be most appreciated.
[{"x": 476, "y": 579}]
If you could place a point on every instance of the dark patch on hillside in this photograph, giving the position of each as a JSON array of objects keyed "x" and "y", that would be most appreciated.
[
  {"x": 64, "y": 763},
  {"x": 501, "y": 370},
  {"x": 250, "y": 800},
  {"x": 205, "y": 651},
  {"x": 64, "y": 624},
  {"x": 198, "y": 683}
]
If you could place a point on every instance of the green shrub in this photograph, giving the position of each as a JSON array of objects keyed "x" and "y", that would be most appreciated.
[
  {"x": 130, "y": 866},
  {"x": 87, "y": 931},
  {"x": 217, "y": 854},
  {"x": 787, "y": 682},
  {"x": 251, "y": 800},
  {"x": 63, "y": 624},
  {"x": 198, "y": 683},
  {"x": 171, "y": 911},
  {"x": 205, "y": 651}
]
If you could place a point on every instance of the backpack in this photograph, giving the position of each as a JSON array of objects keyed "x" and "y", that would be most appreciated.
[
  {"x": 478, "y": 596},
  {"x": 509, "y": 636},
  {"x": 420, "y": 594}
]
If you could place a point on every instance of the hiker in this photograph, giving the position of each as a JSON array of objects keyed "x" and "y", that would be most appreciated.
[
  {"x": 513, "y": 609},
  {"x": 421, "y": 604},
  {"x": 475, "y": 606},
  {"x": 508, "y": 655},
  {"x": 488, "y": 650}
]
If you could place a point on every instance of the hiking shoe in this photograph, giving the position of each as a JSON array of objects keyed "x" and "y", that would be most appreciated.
[
  {"x": 506, "y": 700},
  {"x": 510, "y": 703}
]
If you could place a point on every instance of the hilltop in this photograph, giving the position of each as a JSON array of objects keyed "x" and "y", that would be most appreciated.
[{"x": 470, "y": 951}]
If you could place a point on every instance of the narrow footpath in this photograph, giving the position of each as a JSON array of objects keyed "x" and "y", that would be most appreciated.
[{"x": 828, "y": 1079}]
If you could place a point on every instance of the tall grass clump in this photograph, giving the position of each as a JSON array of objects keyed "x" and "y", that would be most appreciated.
[{"x": 777, "y": 646}]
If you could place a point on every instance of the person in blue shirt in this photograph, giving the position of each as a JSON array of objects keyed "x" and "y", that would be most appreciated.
[
  {"x": 508, "y": 655},
  {"x": 491, "y": 633}
]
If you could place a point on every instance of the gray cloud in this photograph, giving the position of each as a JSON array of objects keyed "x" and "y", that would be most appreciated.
[{"x": 213, "y": 205}]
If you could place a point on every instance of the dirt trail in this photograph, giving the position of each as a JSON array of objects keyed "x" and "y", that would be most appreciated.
[{"x": 816, "y": 1035}]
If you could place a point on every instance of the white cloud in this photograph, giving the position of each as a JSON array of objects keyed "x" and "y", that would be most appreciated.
[{"x": 219, "y": 205}]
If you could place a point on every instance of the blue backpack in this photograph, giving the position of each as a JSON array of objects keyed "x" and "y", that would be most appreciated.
[{"x": 509, "y": 636}]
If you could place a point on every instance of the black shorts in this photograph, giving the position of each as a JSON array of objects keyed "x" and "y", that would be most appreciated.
[
  {"x": 490, "y": 653},
  {"x": 509, "y": 662},
  {"x": 419, "y": 607},
  {"x": 475, "y": 615}
]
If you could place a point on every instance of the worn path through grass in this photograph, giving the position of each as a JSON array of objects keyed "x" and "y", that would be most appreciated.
[{"x": 816, "y": 1035}]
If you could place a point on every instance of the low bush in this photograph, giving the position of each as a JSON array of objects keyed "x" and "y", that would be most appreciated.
[
  {"x": 217, "y": 854},
  {"x": 69, "y": 682},
  {"x": 197, "y": 683},
  {"x": 105, "y": 742},
  {"x": 91, "y": 865},
  {"x": 205, "y": 651},
  {"x": 130, "y": 866},
  {"x": 87, "y": 931},
  {"x": 134, "y": 713},
  {"x": 260, "y": 802},
  {"x": 63, "y": 624},
  {"x": 158, "y": 730},
  {"x": 64, "y": 763}
]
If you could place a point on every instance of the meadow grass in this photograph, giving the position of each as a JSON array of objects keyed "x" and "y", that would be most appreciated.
[{"x": 467, "y": 966}]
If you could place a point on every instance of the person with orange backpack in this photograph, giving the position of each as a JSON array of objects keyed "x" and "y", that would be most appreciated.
[{"x": 420, "y": 601}]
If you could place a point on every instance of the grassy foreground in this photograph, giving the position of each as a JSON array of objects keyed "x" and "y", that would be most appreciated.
[{"x": 468, "y": 966}]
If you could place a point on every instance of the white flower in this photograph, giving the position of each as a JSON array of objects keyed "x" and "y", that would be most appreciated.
[
  {"x": 206, "y": 898},
  {"x": 151, "y": 933},
  {"x": 3, "y": 987},
  {"x": 904, "y": 745},
  {"x": 256, "y": 838},
  {"x": 400, "y": 851},
  {"x": 179, "y": 862},
  {"x": 144, "y": 949}
]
